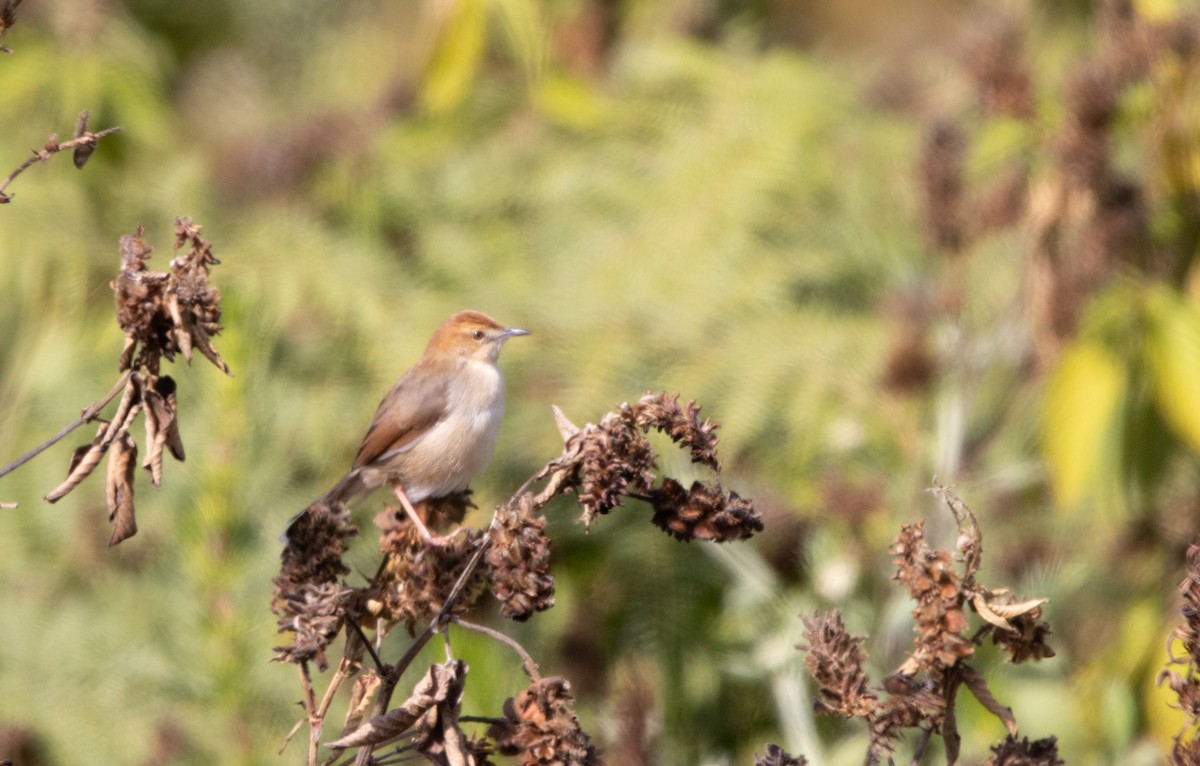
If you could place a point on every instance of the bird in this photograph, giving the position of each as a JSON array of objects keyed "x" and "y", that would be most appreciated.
[{"x": 436, "y": 428}]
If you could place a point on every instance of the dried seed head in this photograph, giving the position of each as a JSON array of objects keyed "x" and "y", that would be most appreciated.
[
  {"x": 614, "y": 459},
  {"x": 162, "y": 313},
  {"x": 1022, "y": 752},
  {"x": 307, "y": 599},
  {"x": 777, "y": 756},
  {"x": 518, "y": 561},
  {"x": 540, "y": 726},
  {"x": 663, "y": 413},
  {"x": 418, "y": 577},
  {"x": 1027, "y": 640},
  {"x": 313, "y": 613},
  {"x": 932, "y": 582},
  {"x": 704, "y": 512},
  {"x": 835, "y": 659}
]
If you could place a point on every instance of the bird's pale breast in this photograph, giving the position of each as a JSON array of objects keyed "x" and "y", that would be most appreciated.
[{"x": 460, "y": 446}]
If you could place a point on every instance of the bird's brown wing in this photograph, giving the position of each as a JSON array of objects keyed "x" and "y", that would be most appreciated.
[{"x": 413, "y": 406}]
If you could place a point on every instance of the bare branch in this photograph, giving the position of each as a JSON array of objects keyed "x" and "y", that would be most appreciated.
[
  {"x": 531, "y": 668},
  {"x": 83, "y": 143},
  {"x": 89, "y": 414}
]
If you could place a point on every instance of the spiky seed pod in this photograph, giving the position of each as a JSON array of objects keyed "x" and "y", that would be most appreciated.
[
  {"x": 307, "y": 598},
  {"x": 518, "y": 561},
  {"x": 932, "y": 582},
  {"x": 418, "y": 577},
  {"x": 540, "y": 726},
  {"x": 703, "y": 512}
]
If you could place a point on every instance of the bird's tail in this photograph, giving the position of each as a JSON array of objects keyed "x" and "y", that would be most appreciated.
[{"x": 350, "y": 487}]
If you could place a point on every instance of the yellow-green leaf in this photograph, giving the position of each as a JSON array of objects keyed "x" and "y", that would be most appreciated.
[
  {"x": 527, "y": 33},
  {"x": 569, "y": 100},
  {"x": 1082, "y": 400},
  {"x": 1172, "y": 352},
  {"x": 456, "y": 56}
]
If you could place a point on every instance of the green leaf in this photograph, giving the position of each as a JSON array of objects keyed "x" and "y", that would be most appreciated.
[
  {"x": 570, "y": 101},
  {"x": 1172, "y": 353},
  {"x": 526, "y": 33},
  {"x": 456, "y": 56},
  {"x": 1082, "y": 403}
]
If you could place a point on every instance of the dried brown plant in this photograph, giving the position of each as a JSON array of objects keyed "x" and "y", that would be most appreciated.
[
  {"x": 83, "y": 141},
  {"x": 777, "y": 756},
  {"x": 161, "y": 313},
  {"x": 921, "y": 693},
  {"x": 540, "y": 726},
  {"x": 8, "y": 17},
  {"x": 1185, "y": 682},
  {"x": 604, "y": 465}
]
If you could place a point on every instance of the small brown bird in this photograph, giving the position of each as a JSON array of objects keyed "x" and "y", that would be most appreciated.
[{"x": 436, "y": 429}]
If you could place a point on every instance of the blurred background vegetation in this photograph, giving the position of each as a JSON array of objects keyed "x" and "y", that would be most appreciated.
[{"x": 878, "y": 241}]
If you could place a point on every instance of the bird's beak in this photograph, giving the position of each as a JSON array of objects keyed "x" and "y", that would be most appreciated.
[{"x": 511, "y": 332}]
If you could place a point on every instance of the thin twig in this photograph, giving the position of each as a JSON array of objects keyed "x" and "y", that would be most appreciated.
[
  {"x": 83, "y": 138},
  {"x": 52, "y": 147},
  {"x": 480, "y": 719},
  {"x": 88, "y": 415},
  {"x": 531, "y": 668},
  {"x": 310, "y": 705},
  {"x": 379, "y": 664}
]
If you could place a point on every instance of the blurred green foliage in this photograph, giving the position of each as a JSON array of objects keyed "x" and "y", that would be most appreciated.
[{"x": 718, "y": 199}]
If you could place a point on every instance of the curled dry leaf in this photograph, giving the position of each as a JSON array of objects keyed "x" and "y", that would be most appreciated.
[
  {"x": 122, "y": 464},
  {"x": 437, "y": 684},
  {"x": 84, "y": 461},
  {"x": 362, "y": 697},
  {"x": 974, "y": 681}
]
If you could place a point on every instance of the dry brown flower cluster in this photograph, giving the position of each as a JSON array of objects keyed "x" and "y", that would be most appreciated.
[
  {"x": 921, "y": 693},
  {"x": 540, "y": 727},
  {"x": 161, "y": 313},
  {"x": 309, "y": 600},
  {"x": 437, "y": 584},
  {"x": 605, "y": 462},
  {"x": 1186, "y": 683},
  {"x": 1022, "y": 752},
  {"x": 518, "y": 561},
  {"x": 777, "y": 756},
  {"x": 416, "y": 577}
]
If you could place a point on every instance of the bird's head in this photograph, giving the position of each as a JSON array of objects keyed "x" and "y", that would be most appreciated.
[{"x": 471, "y": 335}]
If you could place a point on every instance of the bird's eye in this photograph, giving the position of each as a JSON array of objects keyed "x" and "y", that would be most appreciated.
[{"x": 477, "y": 334}]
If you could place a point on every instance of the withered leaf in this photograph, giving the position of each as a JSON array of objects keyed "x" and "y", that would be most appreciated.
[
  {"x": 362, "y": 696},
  {"x": 181, "y": 331},
  {"x": 122, "y": 463},
  {"x": 82, "y": 152},
  {"x": 155, "y": 437},
  {"x": 979, "y": 688},
  {"x": 165, "y": 386},
  {"x": 82, "y": 467},
  {"x": 1010, "y": 611},
  {"x": 979, "y": 601},
  {"x": 429, "y": 691},
  {"x": 204, "y": 343}
]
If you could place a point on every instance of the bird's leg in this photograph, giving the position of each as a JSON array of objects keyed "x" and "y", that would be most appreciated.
[
  {"x": 429, "y": 538},
  {"x": 405, "y": 503}
]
